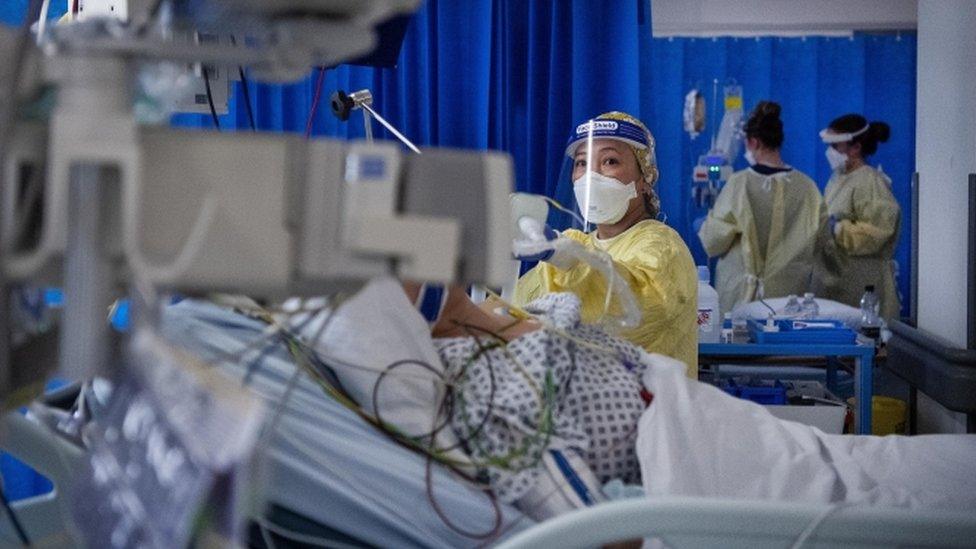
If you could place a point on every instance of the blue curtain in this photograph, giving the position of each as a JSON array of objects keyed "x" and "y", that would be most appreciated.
[
  {"x": 517, "y": 75},
  {"x": 545, "y": 66},
  {"x": 815, "y": 79},
  {"x": 487, "y": 74},
  {"x": 12, "y": 11}
]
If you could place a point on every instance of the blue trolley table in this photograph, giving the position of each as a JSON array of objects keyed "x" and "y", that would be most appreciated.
[{"x": 862, "y": 353}]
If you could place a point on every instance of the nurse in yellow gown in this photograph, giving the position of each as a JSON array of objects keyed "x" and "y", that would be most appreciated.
[
  {"x": 864, "y": 217},
  {"x": 616, "y": 193}
]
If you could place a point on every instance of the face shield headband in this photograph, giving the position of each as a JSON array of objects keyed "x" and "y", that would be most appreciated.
[
  {"x": 620, "y": 130},
  {"x": 830, "y": 137}
]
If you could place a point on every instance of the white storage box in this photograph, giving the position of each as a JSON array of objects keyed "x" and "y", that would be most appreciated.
[
  {"x": 829, "y": 419},
  {"x": 826, "y": 417}
]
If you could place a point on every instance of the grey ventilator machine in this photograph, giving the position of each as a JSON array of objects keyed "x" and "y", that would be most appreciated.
[{"x": 104, "y": 207}]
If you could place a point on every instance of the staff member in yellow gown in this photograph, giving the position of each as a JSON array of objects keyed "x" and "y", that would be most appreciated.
[
  {"x": 864, "y": 217},
  {"x": 615, "y": 191},
  {"x": 766, "y": 221}
]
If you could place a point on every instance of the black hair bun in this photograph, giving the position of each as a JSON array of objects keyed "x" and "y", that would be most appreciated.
[
  {"x": 764, "y": 124},
  {"x": 768, "y": 110}
]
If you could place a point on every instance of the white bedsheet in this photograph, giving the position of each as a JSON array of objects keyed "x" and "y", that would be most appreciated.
[{"x": 695, "y": 440}]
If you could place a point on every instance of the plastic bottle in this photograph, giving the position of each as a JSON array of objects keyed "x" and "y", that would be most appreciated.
[
  {"x": 870, "y": 306},
  {"x": 727, "y": 328},
  {"x": 809, "y": 308},
  {"x": 709, "y": 328},
  {"x": 792, "y": 307}
]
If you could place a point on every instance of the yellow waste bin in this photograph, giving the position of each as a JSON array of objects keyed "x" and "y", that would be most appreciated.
[{"x": 888, "y": 415}]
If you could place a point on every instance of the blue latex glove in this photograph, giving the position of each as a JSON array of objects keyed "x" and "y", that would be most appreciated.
[{"x": 697, "y": 223}]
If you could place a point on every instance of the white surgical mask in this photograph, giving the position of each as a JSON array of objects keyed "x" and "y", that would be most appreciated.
[
  {"x": 836, "y": 158},
  {"x": 750, "y": 158},
  {"x": 602, "y": 199}
]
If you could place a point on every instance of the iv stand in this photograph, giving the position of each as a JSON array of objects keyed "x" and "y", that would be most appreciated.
[{"x": 343, "y": 104}]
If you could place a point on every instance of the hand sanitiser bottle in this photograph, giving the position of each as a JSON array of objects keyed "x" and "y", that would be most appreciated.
[{"x": 709, "y": 321}]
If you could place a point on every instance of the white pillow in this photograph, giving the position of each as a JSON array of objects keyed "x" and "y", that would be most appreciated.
[
  {"x": 851, "y": 316},
  {"x": 372, "y": 330}
]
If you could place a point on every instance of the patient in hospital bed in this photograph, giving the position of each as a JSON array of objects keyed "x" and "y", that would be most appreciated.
[
  {"x": 546, "y": 409},
  {"x": 567, "y": 388},
  {"x": 693, "y": 439}
]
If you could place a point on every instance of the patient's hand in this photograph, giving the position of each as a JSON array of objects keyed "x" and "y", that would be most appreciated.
[{"x": 462, "y": 318}]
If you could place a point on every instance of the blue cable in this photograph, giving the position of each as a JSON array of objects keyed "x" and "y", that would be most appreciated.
[{"x": 567, "y": 470}]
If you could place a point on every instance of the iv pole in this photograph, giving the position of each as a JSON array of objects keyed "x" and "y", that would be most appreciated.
[{"x": 343, "y": 104}]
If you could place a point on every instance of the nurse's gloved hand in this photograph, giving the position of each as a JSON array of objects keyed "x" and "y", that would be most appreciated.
[
  {"x": 696, "y": 225},
  {"x": 536, "y": 241},
  {"x": 542, "y": 243},
  {"x": 534, "y": 230}
]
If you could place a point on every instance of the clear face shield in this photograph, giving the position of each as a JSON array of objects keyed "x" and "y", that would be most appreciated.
[{"x": 603, "y": 171}]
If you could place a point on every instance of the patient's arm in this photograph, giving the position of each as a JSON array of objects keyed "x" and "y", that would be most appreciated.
[{"x": 461, "y": 317}]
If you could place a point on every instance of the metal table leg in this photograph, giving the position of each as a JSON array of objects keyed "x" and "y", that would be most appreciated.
[
  {"x": 832, "y": 374},
  {"x": 863, "y": 390}
]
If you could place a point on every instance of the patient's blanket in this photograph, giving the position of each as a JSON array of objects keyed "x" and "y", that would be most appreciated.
[
  {"x": 584, "y": 383},
  {"x": 695, "y": 440}
]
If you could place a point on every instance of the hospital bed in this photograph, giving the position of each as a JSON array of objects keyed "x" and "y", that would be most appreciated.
[
  {"x": 696, "y": 522},
  {"x": 327, "y": 472},
  {"x": 43, "y": 516},
  {"x": 325, "y": 466}
]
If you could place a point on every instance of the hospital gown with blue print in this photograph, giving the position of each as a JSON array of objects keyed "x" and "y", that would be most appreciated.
[{"x": 585, "y": 380}]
